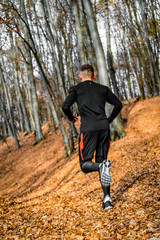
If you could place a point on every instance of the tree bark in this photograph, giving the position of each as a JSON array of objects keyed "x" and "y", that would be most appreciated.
[
  {"x": 138, "y": 51},
  {"x": 53, "y": 36},
  {"x": 47, "y": 88},
  {"x": 153, "y": 69},
  {"x": 9, "y": 108},
  {"x": 22, "y": 107},
  {"x": 80, "y": 40},
  {"x": 109, "y": 52},
  {"x": 89, "y": 49},
  {"x": 102, "y": 71},
  {"x": 142, "y": 50},
  {"x": 30, "y": 77}
]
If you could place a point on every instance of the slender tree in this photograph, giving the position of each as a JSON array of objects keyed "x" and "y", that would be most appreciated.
[
  {"x": 11, "y": 119},
  {"x": 117, "y": 128},
  {"x": 109, "y": 52}
]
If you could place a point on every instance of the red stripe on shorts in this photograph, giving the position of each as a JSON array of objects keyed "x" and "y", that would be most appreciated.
[
  {"x": 81, "y": 146},
  {"x": 109, "y": 144}
]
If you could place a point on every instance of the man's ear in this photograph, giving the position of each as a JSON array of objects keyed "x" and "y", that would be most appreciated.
[
  {"x": 94, "y": 76},
  {"x": 80, "y": 76}
]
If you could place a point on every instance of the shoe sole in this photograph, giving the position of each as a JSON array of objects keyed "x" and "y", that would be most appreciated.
[
  {"x": 107, "y": 208},
  {"x": 106, "y": 178},
  {"x": 107, "y": 205}
]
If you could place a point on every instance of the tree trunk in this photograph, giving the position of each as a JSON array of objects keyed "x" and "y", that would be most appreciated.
[
  {"x": 22, "y": 107},
  {"x": 127, "y": 68},
  {"x": 34, "y": 102},
  {"x": 89, "y": 48},
  {"x": 138, "y": 51},
  {"x": 6, "y": 124},
  {"x": 53, "y": 39},
  {"x": 9, "y": 108},
  {"x": 26, "y": 94},
  {"x": 50, "y": 119},
  {"x": 31, "y": 80},
  {"x": 143, "y": 52},
  {"x": 80, "y": 40},
  {"x": 152, "y": 64},
  {"x": 109, "y": 52},
  {"x": 45, "y": 82},
  {"x": 102, "y": 71}
]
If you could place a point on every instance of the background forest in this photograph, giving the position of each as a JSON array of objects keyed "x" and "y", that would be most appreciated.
[{"x": 44, "y": 42}]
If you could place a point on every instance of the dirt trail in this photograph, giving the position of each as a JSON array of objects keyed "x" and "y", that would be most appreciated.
[{"x": 46, "y": 196}]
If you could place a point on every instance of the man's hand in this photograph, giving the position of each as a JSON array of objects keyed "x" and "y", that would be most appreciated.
[{"x": 74, "y": 119}]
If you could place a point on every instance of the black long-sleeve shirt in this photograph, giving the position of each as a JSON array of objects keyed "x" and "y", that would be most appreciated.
[{"x": 91, "y": 98}]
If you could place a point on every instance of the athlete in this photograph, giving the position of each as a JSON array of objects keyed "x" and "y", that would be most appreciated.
[{"x": 91, "y": 98}]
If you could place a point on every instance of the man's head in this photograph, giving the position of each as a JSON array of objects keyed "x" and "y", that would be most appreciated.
[{"x": 86, "y": 72}]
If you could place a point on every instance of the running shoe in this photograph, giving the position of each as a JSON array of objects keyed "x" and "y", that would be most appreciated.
[
  {"x": 107, "y": 203},
  {"x": 104, "y": 172}
]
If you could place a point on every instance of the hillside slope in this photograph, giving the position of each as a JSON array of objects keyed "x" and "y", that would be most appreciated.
[{"x": 46, "y": 196}]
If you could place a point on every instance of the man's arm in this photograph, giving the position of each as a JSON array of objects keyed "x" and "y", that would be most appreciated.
[
  {"x": 112, "y": 99},
  {"x": 71, "y": 98}
]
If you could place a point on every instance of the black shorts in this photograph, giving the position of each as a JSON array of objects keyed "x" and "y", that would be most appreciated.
[{"x": 89, "y": 142}]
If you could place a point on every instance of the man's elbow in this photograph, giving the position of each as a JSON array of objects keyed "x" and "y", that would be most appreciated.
[
  {"x": 120, "y": 105},
  {"x": 64, "y": 107}
]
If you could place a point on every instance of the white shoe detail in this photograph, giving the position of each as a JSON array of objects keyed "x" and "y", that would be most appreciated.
[
  {"x": 107, "y": 198},
  {"x": 107, "y": 203}
]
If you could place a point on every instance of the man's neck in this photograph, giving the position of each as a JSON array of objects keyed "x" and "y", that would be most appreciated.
[{"x": 86, "y": 79}]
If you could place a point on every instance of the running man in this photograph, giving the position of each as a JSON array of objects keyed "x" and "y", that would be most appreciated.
[{"x": 91, "y": 98}]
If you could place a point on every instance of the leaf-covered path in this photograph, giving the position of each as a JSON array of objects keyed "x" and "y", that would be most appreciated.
[{"x": 46, "y": 196}]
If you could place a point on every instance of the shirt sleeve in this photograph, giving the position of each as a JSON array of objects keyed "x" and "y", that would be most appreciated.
[
  {"x": 71, "y": 98},
  {"x": 112, "y": 99}
]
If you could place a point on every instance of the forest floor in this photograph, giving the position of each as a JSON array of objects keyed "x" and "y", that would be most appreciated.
[{"x": 45, "y": 196}]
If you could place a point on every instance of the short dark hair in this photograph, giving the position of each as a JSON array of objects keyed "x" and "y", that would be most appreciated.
[{"x": 89, "y": 68}]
